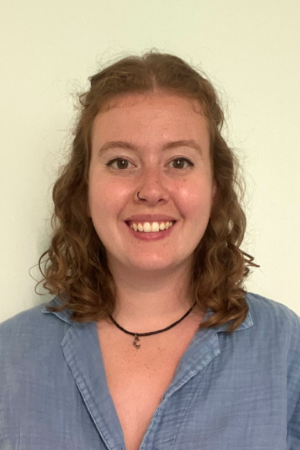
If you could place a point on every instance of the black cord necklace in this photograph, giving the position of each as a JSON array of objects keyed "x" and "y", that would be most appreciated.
[{"x": 150, "y": 333}]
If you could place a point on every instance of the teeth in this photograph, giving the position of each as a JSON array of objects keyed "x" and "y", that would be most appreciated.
[
  {"x": 153, "y": 227},
  {"x": 147, "y": 227}
]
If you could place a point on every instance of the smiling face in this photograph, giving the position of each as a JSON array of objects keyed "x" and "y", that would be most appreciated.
[{"x": 150, "y": 181}]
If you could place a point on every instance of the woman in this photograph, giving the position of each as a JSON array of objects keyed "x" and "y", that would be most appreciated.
[{"x": 152, "y": 341}]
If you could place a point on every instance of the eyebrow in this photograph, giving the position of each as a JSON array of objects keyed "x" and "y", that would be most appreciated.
[{"x": 169, "y": 145}]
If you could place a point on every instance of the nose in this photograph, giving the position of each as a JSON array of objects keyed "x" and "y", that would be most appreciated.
[{"x": 152, "y": 187}]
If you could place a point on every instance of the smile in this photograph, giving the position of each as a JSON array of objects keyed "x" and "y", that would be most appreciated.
[{"x": 153, "y": 227}]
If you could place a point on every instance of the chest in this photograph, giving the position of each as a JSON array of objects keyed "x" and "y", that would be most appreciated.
[
  {"x": 138, "y": 378},
  {"x": 136, "y": 393}
]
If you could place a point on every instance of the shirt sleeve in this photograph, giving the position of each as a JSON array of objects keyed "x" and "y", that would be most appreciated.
[{"x": 293, "y": 387}]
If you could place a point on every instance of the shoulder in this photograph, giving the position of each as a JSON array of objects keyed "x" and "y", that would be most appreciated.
[
  {"x": 29, "y": 332},
  {"x": 265, "y": 310},
  {"x": 31, "y": 355},
  {"x": 32, "y": 318},
  {"x": 274, "y": 320}
]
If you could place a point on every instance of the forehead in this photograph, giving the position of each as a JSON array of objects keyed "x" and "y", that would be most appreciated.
[
  {"x": 155, "y": 97},
  {"x": 156, "y": 114}
]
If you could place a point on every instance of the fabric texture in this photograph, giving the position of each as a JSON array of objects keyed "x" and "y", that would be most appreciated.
[{"x": 236, "y": 391}]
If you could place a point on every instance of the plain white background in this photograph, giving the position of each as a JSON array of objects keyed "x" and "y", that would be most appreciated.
[{"x": 249, "y": 49}]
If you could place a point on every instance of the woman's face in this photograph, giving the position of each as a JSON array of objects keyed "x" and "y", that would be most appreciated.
[{"x": 157, "y": 145}]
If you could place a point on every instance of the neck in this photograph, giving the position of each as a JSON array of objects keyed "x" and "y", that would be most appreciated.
[{"x": 149, "y": 301}]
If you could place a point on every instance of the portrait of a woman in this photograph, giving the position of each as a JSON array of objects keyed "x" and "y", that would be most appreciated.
[{"x": 151, "y": 340}]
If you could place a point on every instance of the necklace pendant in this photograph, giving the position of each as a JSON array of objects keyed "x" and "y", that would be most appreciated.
[{"x": 136, "y": 339}]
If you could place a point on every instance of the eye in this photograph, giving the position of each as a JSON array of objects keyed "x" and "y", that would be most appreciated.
[
  {"x": 181, "y": 163},
  {"x": 119, "y": 163}
]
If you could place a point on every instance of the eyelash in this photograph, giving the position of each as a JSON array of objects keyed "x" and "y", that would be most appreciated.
[
  {"x": 116, "y": 160},
  {"x": 186, "y": 162}
]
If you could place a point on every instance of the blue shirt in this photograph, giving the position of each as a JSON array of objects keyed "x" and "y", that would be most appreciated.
[{"x": 230, "y": 392}]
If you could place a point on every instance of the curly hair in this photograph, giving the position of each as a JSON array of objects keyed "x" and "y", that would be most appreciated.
[{"x": 75, "y": 265}]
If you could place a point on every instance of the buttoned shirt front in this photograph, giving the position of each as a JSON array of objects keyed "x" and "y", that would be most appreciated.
[{"x": 236, "y": 391}]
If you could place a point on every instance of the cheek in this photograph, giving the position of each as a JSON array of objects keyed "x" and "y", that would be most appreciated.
[
  {"x": 107, "y": 199},
  {"x": 195, "y": 200}
]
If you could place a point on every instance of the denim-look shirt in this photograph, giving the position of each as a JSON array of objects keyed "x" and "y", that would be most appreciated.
[{"x": 236, "y": 391}]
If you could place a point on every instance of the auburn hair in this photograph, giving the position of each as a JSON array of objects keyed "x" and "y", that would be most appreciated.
[{"x": 75, "y": 265}]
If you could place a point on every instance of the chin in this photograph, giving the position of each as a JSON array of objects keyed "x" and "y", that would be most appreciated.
[{"x": 158, "y": 264}]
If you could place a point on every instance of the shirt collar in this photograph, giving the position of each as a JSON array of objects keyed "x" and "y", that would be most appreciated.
[
  {"x": 247, "y": 323},
  {"x": 64, "y": 315}
]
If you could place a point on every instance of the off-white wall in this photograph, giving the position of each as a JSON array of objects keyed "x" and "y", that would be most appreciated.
[{"x": 250, "y": 49}]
